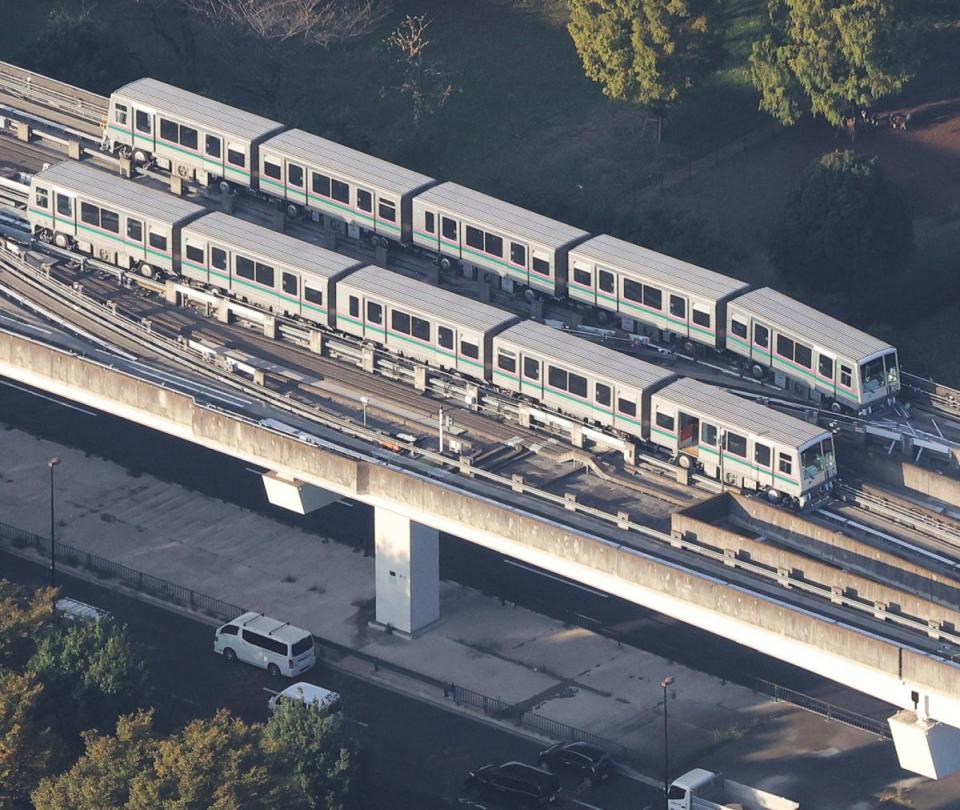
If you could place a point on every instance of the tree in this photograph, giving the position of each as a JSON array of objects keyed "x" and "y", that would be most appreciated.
[
  {"x": 845, "y": 227},
  {"x": 323, "y": 766},
  {"x": 643, "y": 51},
  {"x": 26, "y": 746},
  {"x": 422, "y": 80},
  {"x": 831, "y": 57},
  {"x": 22, "y": 619}
]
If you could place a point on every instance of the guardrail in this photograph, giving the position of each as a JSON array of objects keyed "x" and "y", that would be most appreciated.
[{"x": 53, "y": 94}]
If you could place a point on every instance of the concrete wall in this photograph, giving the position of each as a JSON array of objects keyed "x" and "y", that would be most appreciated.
[{"x": 940, "y": 484}]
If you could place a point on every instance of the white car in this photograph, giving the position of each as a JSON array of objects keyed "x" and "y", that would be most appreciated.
[{"x": 325, "y": 701}]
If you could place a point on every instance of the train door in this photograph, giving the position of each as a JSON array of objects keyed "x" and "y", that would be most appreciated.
[
  {"x": 761, "y": 345},
  {"x": 296, "y": 188},
  {"x": 581, "y": 286},
  {"x": 709, "y": 450},
  {"x": 290, "y": 292},
  {"x": 826, "y": 374},
  {"x": 144, "y": 138},
  {"x": 541, "y": 271},
  {"x": 64, "y": 214},
  {"x": 213, "y": 155},
  {"x": 531, "y": 382},
  {"x": 677, "y": 315},
  {"x": 688, "y": 438},
  {"x": 449, "y": 235},
  {"x": 763, "y": 464}
]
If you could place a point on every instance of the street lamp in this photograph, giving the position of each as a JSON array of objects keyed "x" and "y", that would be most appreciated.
[
  {"x": 53, "y": 542},
  {"x": 364, "y": 401},
  {"x": 666, "y": 757}
]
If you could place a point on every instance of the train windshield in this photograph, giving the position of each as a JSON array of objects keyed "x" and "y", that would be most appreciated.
[
  {"x": 878, "y": 372},
  {"x": 818, "y": 458}
]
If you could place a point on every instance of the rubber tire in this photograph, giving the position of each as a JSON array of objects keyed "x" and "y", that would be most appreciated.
[
  {"x": 292, "y": 211},
  {"x": 446, "y": 264},
  {"x": 273, "y": 671},
  {"x": 61, "y": 240},
  {"x": 684, "y": 461},
  {"x": 229, "y": 654}
]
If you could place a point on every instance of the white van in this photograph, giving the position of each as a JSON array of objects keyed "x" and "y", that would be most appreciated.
[
  {"x": 323, "y": 700},
  {"x": 77, "y": 611},
  {"x": 278, "y": 647}
]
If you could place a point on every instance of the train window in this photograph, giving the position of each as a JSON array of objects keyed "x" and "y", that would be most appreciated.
[
  {"x": 449, "y": 228},
  {"x": 354, "y": 306},
  {"x": 803, "y": 355},
  {"x": 541, "y": 266},
  {"x": 168, "y": 130},
  {"x": 632, "y": 290},
  {"x": 143, "y": 121},
  {"x": 89, "y": 213},
  {"x": 312, "y": 295},
  {"x": 321, "y": 184},
  {"x": 469, "y": 349},
  {"x": 493, "y": 245},
  {"x": 701, "y": 318},
  {"x": 41, "y": 197},
  {"x": 245, "y": 268},
  {"x": 507, "y": 360},
  {"x": 785, "y": 464},
  {"x": 738, "y": 329},
  {"x": 762, "y": 455},
  {"x": 236, "y": 156},
  {"x": 218, "y": 258},
  {"x": 340, "y": 191},
  {"x": 577, "y": 385},
  {"x": 665, "y": 421},
  {"x": 474, "y": 237},
  {"x": 825, "y": 366},
  {"x": 188, "y": 137},
  {"x": 213, "y": 146},
  {"x": 785, "y": 347},
  {"x": 291, "y": 284},
  {"x": 429, "y": 222},
  {"x": 626, "y": 406},
  {"x": 557, "y": 378},
  {"x": 271, "y": 169},
  {"x": 708, "y": 434},
  {"x": 120, "y": 114},
  {"x": 604, "y": 394},
  {"x": 400, "y": 322},
  {"x": 295, "y": 175},
  {"x": 194, "y": 253},
  {"x": 264, "y": 274},
  {"x": 531, "y": 368},
  {"x": 421, "y": 328},
  {"x": 64, "y": 205},
  {"x": 387, "y": 210},
  {"x": 846, "y": 376},
  {"x": 518, "y": 254},
  {"x": 445, "y": 337},
  {"x": 678, "y": 307},
  {"x": 158, "y": 241},
  {"x": 606, "y": 281},
  {"x": 364, "y": 200},
  {"x": 109, "y": 220},
  {"x": 134, "y": 230},
  {"x": 374, "y": 312},
  {"x": 652, "y": 297},
  {"x": 736, "y": 445},
  {"x": 582, "y": 277},
  {"x": 761, "y": 336}
]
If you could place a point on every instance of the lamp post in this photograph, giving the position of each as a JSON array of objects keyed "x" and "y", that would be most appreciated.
[
  {"x": 53, "y": 541},
  {"x": 364, "y": 401},
  {"x": 666, "y": 755}
]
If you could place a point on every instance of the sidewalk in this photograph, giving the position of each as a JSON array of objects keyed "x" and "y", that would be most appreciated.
[{"x": 565, "y": 673}]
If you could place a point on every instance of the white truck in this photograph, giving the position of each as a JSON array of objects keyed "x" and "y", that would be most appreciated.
[{"x": 704, "y": 790}]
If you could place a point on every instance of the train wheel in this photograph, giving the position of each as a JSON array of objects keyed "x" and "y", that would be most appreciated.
[
  {"x": 293, "y": 211},
  {"x": 374, "y": 240},
  {"x": 225, "y": 187},
  {"x": 61, "y": 240},
  {"x": 757, "y": 371},
  {"x": 446, "y": 264},
  {"x": 836, "y": 407},
  {"x": 141, "y": 157},
  {"x": 684, "y": 461},
  {"x": 689, "y": 348},
  {"x": 773, "y": 495},
  {"x": 384, "y": 242},
  {"x": 148, "y": 271}
]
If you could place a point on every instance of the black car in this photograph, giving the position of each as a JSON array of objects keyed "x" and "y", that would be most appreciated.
[
  {"x": 514, "y": 784},
  {"x": 579, "y": 758}
]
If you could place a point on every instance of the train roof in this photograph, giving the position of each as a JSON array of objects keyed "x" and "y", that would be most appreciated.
[
  {"x": 741, "y": 413},
  {"x": 110, "y": 189},
  {"x": 196, "y": 109},
  {"x": 501, "y": 216},
  {"x": 630, "y": 259},
  {"x": 342, "y": 160},
  {"x": 579, "y": 353},
  {"x": 810, "y": 324},
  {"x": 420, "y": 297},
  {"x": 258, "y": 240}
]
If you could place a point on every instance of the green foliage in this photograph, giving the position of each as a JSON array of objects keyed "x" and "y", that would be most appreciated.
[
  {"x": 22, "y": 619},
  {"x": 831, "y": 57},
  {"x": 845, "y": 228},
  {"x": 315, "y": 748},
  {"x": 643, "y": 51},
  {"x": 26, "y": 746}
]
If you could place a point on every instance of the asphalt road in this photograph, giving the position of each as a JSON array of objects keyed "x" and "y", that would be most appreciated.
[{"x": 417, "y": 753}]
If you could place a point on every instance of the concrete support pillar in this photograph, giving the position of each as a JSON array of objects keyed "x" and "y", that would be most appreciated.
[
  {"x": 176, "y": 184},
  {"x": 880, "y": 611},
  {"x": 466, "y": 466},
  {"x": 277, "y": 220},
  {"x": 906, "y": 445},
  {"x": 147, "y": 325},
  {"x": 576, "y": 435},
  {"x": 125, "y": 165},
  {"x": 925, "y": 746},
  {"x": 316, "y": 342},
  {"x": 270, "y": 327},
  {"x": 783, "y": 577},
  {"x": 630, "y": 454},
  {"x": 330, "y": 236},
  {"x": 570, "y": 501},
  {"x": 517, "y": 485},
  {"x": 536, "y": 309},
  {"x": 226, "y": 203},
  {"x": 472, "y": 395},
  {"x": 24, "y": 133},
  {"x": 170, "y": 294},
  {"x": 933, "y": 628},
  {"x": 836, "y": 594},
  {"x": 112, "y": 306},
  {"x": 259, "y": 378},
  {"x": 367, "y": 359},
  {"x": 223, "y": 311},
  {"x": 74, "y": 150},
  {"x": 730, "y": 557},
  {"x": 420, "y": 377},
  {"x": 380, "y": 256},
  {"x": 683, "y": 476},
  {"x": 408, "y": 572},
  {"x": 623, "y": 520},
  {"x": 676, "y": 538}
]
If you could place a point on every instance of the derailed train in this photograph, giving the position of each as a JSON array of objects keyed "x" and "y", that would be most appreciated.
[
  {"x": 748, "y": 445},
  {"x": 767, "y": 332}
]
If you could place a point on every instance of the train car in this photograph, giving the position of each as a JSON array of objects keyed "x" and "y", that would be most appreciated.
[
  {"x": 482, "y": 233},
  {"x": 654, "y": 291},
  {"x": 743, "y": 443},
  {"x": 371, "y": 196},
  {"x": 576, "y": 377},
  {"x": 419, "y": 320},
  {"x": 114, "y": 220},
  {"x": 842, "y": 365},
  {"x": 189, "y": 134},
  {"x": 262, "y": 266}
]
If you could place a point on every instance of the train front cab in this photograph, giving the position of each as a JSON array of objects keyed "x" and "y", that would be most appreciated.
[{"x": 878, "y": 378}]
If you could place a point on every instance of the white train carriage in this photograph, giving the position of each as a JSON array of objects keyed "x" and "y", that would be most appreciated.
[
  {"x": 576, "y": 377},
  {"x": 482, "y": 233},
  {"x": 419, "y": 320},
  {"x": 193, "y": 136},
  {"x": 256, "y": 264},
  {"x": 369, "y": 195},
  {"x": 743, "y": 443},
  {"x": 114, "y": 220},
  {"x": 655, "y": 291},
  {"x": 846, "y": 367}
]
